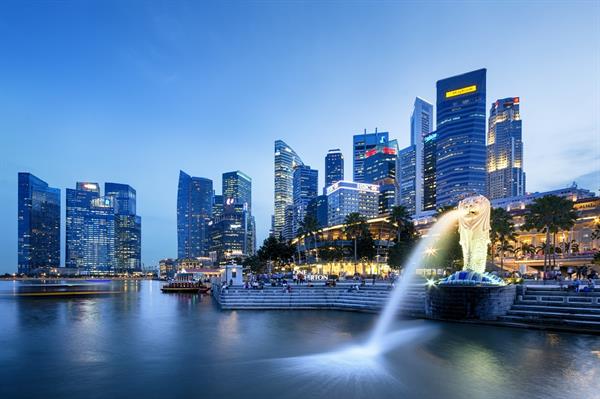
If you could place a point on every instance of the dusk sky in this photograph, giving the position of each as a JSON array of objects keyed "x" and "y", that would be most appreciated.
[{"x": 134, "y": 91}]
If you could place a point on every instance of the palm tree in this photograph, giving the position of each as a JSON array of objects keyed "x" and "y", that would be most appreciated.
[
  {"x": 355, "y": 226},
  {"x": 310, "y": 226},
  {"x": 503, "y": 231},
  {"x": 399, "y": 220},
  {"x": 526, "y": 249},
  {"x": 550, "y": 214}
]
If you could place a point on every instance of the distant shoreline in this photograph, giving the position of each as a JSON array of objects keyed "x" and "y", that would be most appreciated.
[{"x": 3, "y": 278}]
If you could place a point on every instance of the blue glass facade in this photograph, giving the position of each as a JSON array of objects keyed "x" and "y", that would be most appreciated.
[
  {"x": 77, "y": 214},
  {"x": 238, "y": 186},
  {"x": 461, "y": 150},
  {"x": 407, "y": 179},
  {"x": 429, "y": 163},
  {"x": 194, "y": 210},
  {"x": 317, "y": 207},
  {"x": 128, "y": 227},
  {"x": 306, "y": 186},
  {"x": 334, "y": 167},
  {"x": 285, "y": 160},
  {"x": 94, "y": 240},
  {"x": 38, "y": 224},
  {"x": 361, "y": 143}
]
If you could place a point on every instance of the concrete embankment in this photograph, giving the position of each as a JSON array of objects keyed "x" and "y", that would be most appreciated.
[{"x": 369, "y": 298}]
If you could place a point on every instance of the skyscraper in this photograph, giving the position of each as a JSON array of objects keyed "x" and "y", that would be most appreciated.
[
  {"x": 421, "y": 125},
  {"x": 461, "y": 153},
  {"x": 505, "y": 175},
  {"x": 128, "y": 227},
  {"x": 79, "y": 201},
  {"x": 237, "y": 185},
  {"x": 344, "y": 198},
  {"x": 194, "y": 210},
  {"x": 38, "y": 224},
  {"x": 97, "y": 240},
  {"x": 230, "y": 232},
  {"x": 429, "y": 163},
  {"x": 285, "y": 161},
  {"x": 362, "y": 143},
  {"x": 379, "y": 167},
  {"x": 407, "y": 179},
  {"x": 334, "y": 167},
  {"x": 306, "y": 186}
]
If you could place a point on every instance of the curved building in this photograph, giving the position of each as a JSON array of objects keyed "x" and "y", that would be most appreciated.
[{"x": 286, "y": 160}]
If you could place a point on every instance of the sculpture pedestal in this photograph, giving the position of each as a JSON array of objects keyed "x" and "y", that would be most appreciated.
[{"x": 456, "y": 302}]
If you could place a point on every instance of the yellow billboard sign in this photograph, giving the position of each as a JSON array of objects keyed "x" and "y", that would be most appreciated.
[{"x": 461, "y": 91}]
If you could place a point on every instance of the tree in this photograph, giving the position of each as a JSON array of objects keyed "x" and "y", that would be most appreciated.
[
  {"x": 355, "y": 226},
  {"x": 400, "y": 220},
  {"x": 275, "y": 251},
  {"x": 526, "y": 249},
  {"x": 310, "y": 226},
  {"x": 502, "y": 232},
  {"x": 550, "y": 214}
]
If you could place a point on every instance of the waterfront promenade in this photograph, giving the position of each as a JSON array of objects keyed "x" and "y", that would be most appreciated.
[{"x": 536, "y": 305}]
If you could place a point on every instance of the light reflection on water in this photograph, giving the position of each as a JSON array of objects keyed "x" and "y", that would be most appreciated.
[{"x": 147, "y": 344}]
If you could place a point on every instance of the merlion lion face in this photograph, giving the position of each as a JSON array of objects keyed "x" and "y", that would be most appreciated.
[{"x": 473, "y": 209}]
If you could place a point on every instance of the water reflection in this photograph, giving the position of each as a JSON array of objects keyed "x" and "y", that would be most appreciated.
[{"x": 143, "y": 343}]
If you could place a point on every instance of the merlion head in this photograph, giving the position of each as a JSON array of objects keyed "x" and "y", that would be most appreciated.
[{"x": 474, "y": 212}]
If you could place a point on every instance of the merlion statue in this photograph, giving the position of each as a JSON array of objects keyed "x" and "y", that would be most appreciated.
[{"x": 474, "y": 229}]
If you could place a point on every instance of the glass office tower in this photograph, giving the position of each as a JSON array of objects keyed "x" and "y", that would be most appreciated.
[
  {"x": 306, "y": 186},
  {"x": 334, "y": 167},
  {"x": 79, "y": 201},
  {"x": 407, "y": 179},
  {"x": 361, "y": 143},
  {"x": 429, "y": 163},
  {"x": 461, "y": 152},
  {"x": 421, "y": 125},
  {"x": 38, "y": 224},
  {"x": 128, "y": 226},
  {"x": 237, "y": 185},
  {"x": 379, "y": 167},
  {"x": 505, "y": 176},
  {"x": 194, "y": 210},
  {"x": 285, "y": 160},
  {"x": 91, "y": 230}
]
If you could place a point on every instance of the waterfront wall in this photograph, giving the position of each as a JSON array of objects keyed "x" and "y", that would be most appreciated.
[
  {"x": 469, "y": 302},
  {"x": 366, "y": 299}
]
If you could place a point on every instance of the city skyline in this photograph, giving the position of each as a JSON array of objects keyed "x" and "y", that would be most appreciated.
[{"x": 551, "y": 143}]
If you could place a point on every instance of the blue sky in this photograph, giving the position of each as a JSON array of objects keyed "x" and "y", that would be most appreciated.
[{"x": 134, "y": 91}]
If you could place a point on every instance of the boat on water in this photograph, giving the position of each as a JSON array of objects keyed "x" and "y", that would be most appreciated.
[
  {"x": 186, "y": 283},
  {"x": 61, "y": 290}
]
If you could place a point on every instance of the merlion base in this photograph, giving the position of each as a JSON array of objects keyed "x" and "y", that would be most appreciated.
[{"x": 456, "y": 302}]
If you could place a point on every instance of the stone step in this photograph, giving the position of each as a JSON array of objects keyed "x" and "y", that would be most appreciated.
[
  {"x": 594, "y": 294},
  {"x": 592, "y": 324},
  {"x": 554, "y": 304},
  {"x": 557, "y": 309},
  {"x": 558, "y": 315}
]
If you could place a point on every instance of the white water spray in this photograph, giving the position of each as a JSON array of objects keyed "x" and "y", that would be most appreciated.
[{"x": 444, "y": 223}]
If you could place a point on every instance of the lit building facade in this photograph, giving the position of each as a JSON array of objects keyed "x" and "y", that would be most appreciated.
[
  {"x": 38, "y": 224},
  {"x": 429, "y": 163},
  {"x": 344, "y": 198},
  {"x": 407, "y": 179},
  {"x": 285, "y": 160},
  {"x": 231, "y": 233},
  {"x": 237, "y": 185},
  {"x": 361, "y": 143},
  {"x": 317, "y": 207},
  {"x": 334, "y": 167},
  {"x": 421, "y": 126},
  {"x": 306, "y": 187},
  {"x": 461, "y": 152},
  {"x": 79, "y": 202},
  {"x": 194, "y": 211},
  {"x": 380, "y": 168},
  {"x": 128, "y": 227},
  {"x": 505, "y": 175}
]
